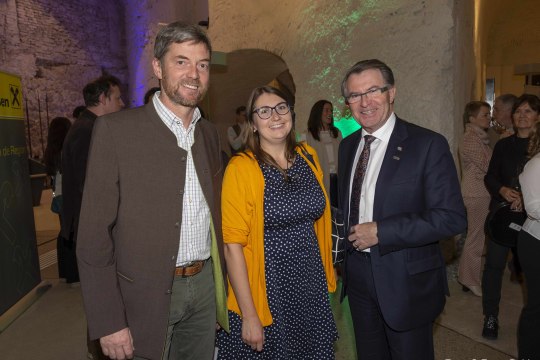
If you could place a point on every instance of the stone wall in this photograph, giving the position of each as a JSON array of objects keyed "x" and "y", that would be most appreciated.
[
  {"x": 56, "y": 47},
  {"x": 319, "y": 40}
]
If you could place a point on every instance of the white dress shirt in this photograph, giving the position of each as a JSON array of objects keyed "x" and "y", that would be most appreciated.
[
  {"x": 195, "y": 238},
  {"x": 376, "y": 156}
]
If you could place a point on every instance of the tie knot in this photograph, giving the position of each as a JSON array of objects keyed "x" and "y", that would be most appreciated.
[{"x": 369, "y": 139}]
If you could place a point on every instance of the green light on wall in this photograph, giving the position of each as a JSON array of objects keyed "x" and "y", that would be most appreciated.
[{"x": 347, "y": 125}]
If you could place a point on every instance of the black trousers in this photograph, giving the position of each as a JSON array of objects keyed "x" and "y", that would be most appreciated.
[
  {"x": 375, "y": 340},
  {"x": 492, "y": 277},
  {"x": 529, "y": 322}
]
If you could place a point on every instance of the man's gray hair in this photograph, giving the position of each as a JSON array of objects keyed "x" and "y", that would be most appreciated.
[
  {"x": 507, "y": 99},
  {"x": 179, "y": 32}
]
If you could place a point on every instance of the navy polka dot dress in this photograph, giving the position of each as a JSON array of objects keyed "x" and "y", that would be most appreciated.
[{"x": 303, "y": 326}]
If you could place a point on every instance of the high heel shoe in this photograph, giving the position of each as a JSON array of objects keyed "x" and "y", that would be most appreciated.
[{"x": 476, "y": 290}]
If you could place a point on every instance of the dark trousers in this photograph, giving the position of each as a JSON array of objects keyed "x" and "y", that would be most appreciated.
[
  {"x": 529, "y": 322},
  {"x": 192, "y": 317},
  {"x": 514, "y": 262},
  {"x": 333, "y": 190},
  {"x": 492, "y": 277},
  {"x": 375, "y": 340}
]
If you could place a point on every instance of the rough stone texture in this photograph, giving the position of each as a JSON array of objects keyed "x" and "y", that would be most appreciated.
[
  {"x": 56, "y": 47},
  {"x": 319, "y": 40}
]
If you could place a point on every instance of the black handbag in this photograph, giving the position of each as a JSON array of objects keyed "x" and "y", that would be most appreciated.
[
  {"x": 56, "y": 204},
  {"x": 338, "y": 236},
  {"x": 503, "y": 224}
]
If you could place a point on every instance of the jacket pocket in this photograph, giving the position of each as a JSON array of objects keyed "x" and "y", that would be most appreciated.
[
  {"x": 122, "y": 276},
  {"x": 426, "y": 264},
  {"x": 404, "y": 180}
]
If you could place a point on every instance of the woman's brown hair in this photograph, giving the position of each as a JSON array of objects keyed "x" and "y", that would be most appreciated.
[{"x": 251, "y": 137}]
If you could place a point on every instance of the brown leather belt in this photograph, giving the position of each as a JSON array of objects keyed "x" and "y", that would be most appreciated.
[{"x": 190, "y": 269}]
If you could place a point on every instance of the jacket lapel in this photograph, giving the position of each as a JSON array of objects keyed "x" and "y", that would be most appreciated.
[{"x": 393, "y": 155}]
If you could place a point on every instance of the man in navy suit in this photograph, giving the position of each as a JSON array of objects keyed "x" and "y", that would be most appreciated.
[{"x": 399, "y": 200}]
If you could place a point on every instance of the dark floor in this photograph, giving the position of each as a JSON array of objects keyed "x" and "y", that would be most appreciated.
[{"x": 53, "y": 327}]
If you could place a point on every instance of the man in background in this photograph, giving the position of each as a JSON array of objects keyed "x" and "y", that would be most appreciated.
[
  {"x": 234, "y": 133},
  {"x": 502, "y": 116},
  {"x": 101, "y": 96}
]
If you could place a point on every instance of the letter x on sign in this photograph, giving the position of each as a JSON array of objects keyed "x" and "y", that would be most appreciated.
[{"x": 14, "y": 96}]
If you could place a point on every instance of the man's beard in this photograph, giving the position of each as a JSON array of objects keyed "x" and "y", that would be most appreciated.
[{"x": 174, "y": 94}]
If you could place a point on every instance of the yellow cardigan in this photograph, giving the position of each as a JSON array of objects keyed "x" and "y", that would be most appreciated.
[{"x": 242, "y": 204}]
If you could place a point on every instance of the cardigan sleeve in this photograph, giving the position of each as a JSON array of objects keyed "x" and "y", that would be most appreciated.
[{"x": 236, "y": 205}]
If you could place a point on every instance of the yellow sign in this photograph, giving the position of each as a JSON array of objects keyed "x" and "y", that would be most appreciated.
[{"x": 11, "y": 99}]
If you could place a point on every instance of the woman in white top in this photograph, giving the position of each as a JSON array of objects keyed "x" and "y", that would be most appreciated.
[
  {"x": 324, "y": 137},
  {"x": 529, "y": 243}
]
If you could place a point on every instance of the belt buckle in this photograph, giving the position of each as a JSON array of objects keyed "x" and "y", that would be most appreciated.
[{"x": 196, "y": 265}]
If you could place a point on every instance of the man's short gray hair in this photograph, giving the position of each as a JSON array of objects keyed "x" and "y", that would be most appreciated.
[{"x": 179, "y": 32}]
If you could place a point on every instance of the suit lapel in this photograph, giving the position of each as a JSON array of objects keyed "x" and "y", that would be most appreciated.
[{"x": 392, "y": 156}]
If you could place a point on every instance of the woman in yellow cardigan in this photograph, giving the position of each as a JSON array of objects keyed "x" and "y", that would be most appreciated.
[{"x": 276, "y": 229}]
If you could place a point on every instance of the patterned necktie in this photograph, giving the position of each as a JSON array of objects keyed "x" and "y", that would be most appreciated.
[{"x": 359, "y": 173}]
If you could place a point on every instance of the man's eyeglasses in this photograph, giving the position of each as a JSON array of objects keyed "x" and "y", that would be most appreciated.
[
  {"x": 370, "y": 94},
  {"x": 265, "y": 112}
]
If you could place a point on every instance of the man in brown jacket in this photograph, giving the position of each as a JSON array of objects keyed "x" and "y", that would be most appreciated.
[{"x": 149, "y": 245}]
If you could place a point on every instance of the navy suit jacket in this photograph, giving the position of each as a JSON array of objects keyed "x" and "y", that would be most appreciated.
[{"x": 417, "y": 203}]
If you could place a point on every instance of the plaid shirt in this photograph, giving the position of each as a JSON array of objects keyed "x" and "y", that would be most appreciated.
[{"x": 195, "y": 228}]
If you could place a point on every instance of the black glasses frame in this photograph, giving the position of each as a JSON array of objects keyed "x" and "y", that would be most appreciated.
[
  {"x": 276, "y": 108},
  {"x": 356, "y": 97}
]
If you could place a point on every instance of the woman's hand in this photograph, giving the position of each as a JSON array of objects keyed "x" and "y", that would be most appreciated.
[
  {"x": 509, "y": 194},
  {"x": 252, "y": 332},
  {"x": 516, "y": 205}
]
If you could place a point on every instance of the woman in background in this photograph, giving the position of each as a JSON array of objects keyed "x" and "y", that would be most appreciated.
[
  {"x": 475, "y": 154},
  {"x": 529, "y": 250},
  {"x": 324, "y": 137},
  {"x": 58, "y": 130},
  {"x": 276, "y": 230},
  {"x": 502, "y": 181}
]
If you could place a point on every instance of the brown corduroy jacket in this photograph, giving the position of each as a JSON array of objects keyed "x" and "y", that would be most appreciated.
[{"x": 130, "y": 222}]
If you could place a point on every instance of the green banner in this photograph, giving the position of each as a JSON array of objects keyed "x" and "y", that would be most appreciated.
[{"x": 19, "y": 263}]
